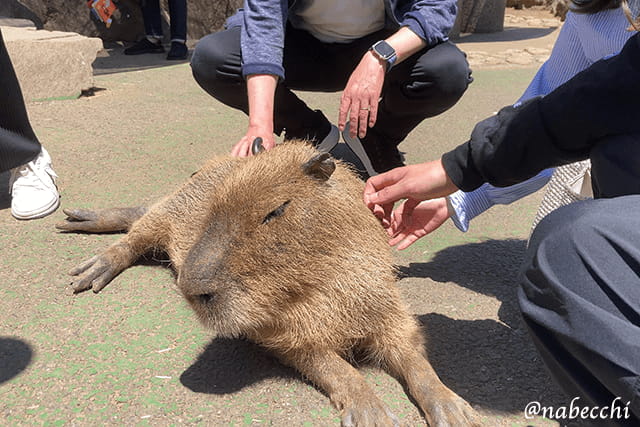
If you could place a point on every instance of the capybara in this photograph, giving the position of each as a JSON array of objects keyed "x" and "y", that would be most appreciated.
[{"x": 279, "y": 248}]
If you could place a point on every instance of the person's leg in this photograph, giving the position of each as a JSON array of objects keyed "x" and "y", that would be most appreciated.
[
  {"x": 152, "y": 18},
  {"x": 580, "y": 300},
  {"x": 178, "y": 25},
  {"x": 32, "y": 186},
  {"x": 18, "y": 142},
  {"x": 152, "y": 42},
  {"x": 178, "y": 20}
]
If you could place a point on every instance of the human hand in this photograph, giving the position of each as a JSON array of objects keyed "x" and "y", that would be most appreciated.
[
  {"x": 359, "y": 102},
  {"x": 415, "y": 183},
  {"x": 406, "y": 227},
  {"x": 243, "y": 147}
]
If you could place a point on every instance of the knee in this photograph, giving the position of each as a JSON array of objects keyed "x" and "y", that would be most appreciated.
[
  {"x": 215, "y": 56},
  {"x": 560, "y": 253},
  {"x": 435, "y": 82}
]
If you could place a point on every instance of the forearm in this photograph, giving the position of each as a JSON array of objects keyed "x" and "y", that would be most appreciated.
[
  {"x": 558, "y": 129},
  {"x": 405, "y": 42},
  {"x": 261, "y": 91}
]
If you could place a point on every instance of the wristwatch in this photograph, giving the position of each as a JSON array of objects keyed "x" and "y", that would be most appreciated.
[{"x": 383, "y": 51}]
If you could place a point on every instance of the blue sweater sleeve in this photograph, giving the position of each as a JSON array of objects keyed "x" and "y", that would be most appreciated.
[
  {"x": 262, "y": 37},
  {"x": 431, "y": 20}
]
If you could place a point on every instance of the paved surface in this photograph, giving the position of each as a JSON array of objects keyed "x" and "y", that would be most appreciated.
[{"x": 134, "y": 354}]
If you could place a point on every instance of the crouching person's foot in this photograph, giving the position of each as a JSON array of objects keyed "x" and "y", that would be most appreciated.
[
  {"x": 33, "y": 189},
  {"x": 145, "y": 46},
  {"x": 178, "y": 51}
]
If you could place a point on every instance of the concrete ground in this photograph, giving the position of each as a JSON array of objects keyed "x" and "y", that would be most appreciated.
[{"x": 135, "y": 355}]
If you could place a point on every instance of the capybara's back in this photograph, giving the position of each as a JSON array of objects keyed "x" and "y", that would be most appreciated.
[{"x": 280, "y": 248}]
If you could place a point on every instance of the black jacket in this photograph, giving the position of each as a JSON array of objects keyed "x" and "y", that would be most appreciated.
[{"x": 557, "y": 129}]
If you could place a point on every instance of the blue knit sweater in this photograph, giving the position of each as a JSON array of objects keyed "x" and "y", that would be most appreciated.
[{"x": 263, "y": 24}]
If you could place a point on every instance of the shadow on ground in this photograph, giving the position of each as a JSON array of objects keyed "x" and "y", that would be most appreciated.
[
  {"x": 113, "y": 60},
  {"x": 508, "y": 35},
  {"x": 229, "y": 365},
  {"x": 490, "y": 363},
  {"x": 15, "y": 357}
]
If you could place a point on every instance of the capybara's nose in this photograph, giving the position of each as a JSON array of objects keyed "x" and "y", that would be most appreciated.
[{"x": 204, "y": 298}]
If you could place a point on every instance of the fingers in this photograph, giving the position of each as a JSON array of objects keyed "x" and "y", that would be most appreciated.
[
  {"x": 242, "y": 148},
  {"x": 363, "y": 120},
  {"x": 353, "y": 117},
  {"x": 345, "y": 104},
  {"x": 383, "y": 189}
]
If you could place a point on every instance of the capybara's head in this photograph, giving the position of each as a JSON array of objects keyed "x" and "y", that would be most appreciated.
[{"x": 283, "y": 224}]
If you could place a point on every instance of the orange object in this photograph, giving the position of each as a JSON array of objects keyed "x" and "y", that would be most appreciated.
[{"x": 103, "y": 10}]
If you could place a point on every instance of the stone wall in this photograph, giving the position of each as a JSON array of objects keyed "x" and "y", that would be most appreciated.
[{"x": 205, "y": 16}]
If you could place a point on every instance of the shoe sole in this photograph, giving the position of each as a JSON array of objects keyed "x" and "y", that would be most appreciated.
[{"x": 38, "y": 214}]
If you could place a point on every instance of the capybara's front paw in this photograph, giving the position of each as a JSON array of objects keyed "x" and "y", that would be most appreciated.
[
  {"x": 371, "y": 413},
  {"x": 451, "y": 411},
  {"x": 94, "y": 273}
]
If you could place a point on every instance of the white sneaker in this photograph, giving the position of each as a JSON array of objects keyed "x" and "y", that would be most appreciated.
[{"x": 33, "y": 190}]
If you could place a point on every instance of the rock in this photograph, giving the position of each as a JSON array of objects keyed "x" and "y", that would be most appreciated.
[
  {"x": 520, "y": 58},
  {"x": 479, "y": 16},
  {"x": 205, "y": 16},
  {"x": 51, "y": 64}
]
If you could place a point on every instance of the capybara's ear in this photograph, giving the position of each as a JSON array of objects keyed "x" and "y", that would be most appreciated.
[
  {"x": 257, "y": 147},
  {"x": 320, "y": 166}
]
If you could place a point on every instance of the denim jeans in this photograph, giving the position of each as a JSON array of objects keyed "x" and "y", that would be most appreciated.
[{"x": 177, "y": 16}]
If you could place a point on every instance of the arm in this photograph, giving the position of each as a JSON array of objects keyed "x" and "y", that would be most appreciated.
[
  {"x": 431, "y": 20},
  {"x": 466, "y": 206},
  {"x": 567, "y": 59},
  {"x": 262, "y": 45},
  {"x": 261, "y": 90},
  {"x": 558, "y": 129}
]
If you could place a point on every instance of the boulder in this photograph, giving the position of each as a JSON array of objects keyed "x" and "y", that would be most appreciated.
[
  {"x": 51, "y": 64},
  {"x": 205, "y": 16}
]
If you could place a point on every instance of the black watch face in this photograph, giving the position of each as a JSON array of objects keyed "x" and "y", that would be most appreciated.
[{"x": 384, "y": 49}]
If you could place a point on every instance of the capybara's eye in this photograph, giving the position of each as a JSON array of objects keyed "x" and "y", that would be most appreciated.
[
  {"x": 204, "y": 298},
  {"x": 276, "y": 212}
]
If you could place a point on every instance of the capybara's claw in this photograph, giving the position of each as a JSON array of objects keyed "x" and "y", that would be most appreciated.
[
  {"x": 80, "y": 214},
  {"x": 376, "y": 415},
  {"x": 78, "y": 220},
  {"x": 453, "y": 413},
  {"x": 94, "y": 274}
]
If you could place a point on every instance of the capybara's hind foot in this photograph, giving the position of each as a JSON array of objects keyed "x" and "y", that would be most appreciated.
[{"x": 101, "y": 220}]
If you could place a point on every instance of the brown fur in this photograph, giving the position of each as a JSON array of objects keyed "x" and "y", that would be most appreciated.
[{"x": 289, "y": 257}]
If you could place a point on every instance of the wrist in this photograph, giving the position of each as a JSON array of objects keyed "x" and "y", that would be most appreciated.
[{"x": 384, "y": 53}]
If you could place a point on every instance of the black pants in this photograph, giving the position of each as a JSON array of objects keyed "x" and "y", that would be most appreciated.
[
  {"x": 424, "y": 85},
  {"x": 580, "y": 294},
  {"x": 18, "y": 142},
  {"x": 177, "y": 19}
]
